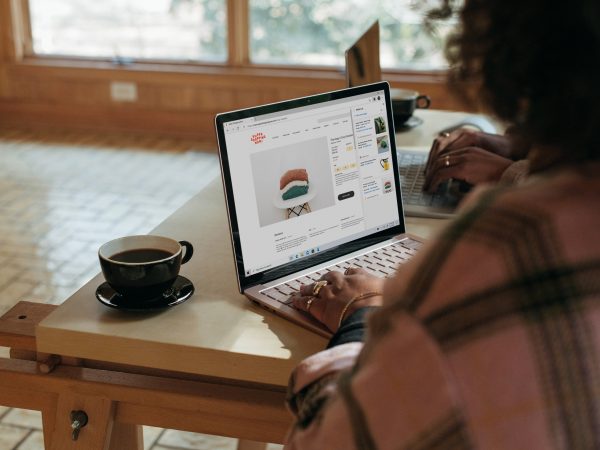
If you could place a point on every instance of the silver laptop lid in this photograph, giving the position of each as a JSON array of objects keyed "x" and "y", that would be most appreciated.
[
  {"x": 309, "y": 179},
  {"x": 362, "y": 59}
]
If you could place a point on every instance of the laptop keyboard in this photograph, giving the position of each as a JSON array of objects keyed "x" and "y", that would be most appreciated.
[
  {"x": 380, "y": 262},
  {"x": 412, "y": 179}
]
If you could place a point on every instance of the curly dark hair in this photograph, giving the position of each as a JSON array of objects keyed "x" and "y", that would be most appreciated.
[{"x": 534, "y": 64}]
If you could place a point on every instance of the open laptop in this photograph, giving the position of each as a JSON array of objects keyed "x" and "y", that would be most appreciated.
[
  {"x": 312, "y": 185},
  {"x": 363, "y": 67}
]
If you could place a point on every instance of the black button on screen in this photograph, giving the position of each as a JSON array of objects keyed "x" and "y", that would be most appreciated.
[{"x": 346, "y": 195}]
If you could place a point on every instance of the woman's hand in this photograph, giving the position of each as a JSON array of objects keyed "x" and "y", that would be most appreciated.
[
  {"x": 472, "y": 165},
  {"x": 470, "y": 156},
  {"x": 331, "y": 299}
]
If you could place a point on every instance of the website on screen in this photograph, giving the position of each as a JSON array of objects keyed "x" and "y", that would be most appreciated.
[{"x": 308, "y": 179}]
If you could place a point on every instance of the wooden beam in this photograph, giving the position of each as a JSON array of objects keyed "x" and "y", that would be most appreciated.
[
  {"x": 244, "y": 412},
  {"x": 15, "y": 34},
  {"x": 24, "y": 20},
  {"x": 7, "y": 46},
  {"x": 238, "y": 24}
]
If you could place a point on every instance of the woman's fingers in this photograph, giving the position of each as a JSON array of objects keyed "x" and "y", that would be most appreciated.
[
  {"x": 355, "y": 271},
  {"x": 456, "y": 140},
  {"x": 440, "y": 176},
  {"x": 303, "y": 302},
  {"x": 334, "y": 278},
  {"x": 326, "y": 298},
  {"x": 306, "y": 289},
  {"x": 446, "y": 166},
  {"x": 472, "y": 165}
]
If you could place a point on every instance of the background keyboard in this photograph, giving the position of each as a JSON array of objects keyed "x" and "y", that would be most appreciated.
[{"x": 412, "y": 178}]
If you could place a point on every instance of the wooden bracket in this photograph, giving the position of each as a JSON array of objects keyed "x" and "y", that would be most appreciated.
[
  {"x": 96, "y": 433},
  {"x": 18, "y": 324}
]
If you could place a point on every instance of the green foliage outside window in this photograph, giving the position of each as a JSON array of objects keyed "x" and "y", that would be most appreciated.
[{"x": 319, "y": 31}]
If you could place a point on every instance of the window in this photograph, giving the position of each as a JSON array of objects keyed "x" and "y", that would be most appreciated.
[
  {"x": 318, "y": 32},
  {"x": 188, "y": 30},
  {"x": 282, "y": 32}
]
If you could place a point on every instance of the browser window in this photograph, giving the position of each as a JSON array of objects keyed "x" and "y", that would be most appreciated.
[{"x": 311, "y": 178}]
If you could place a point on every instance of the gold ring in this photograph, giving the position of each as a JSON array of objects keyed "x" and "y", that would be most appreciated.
[
  {"x": 309, "y": 303},
  {"x": 445, "y": 134},
  {"x": 318, "y": 286},
  {"x": 347, "y": 271},
  {"x": 447, "y": 161}
]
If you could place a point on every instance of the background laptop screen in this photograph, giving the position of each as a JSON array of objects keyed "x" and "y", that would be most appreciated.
[{"x": 307, "y": 179}]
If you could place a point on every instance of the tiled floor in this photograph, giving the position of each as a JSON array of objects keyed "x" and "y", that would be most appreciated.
[{"x": 58, "y": 202}]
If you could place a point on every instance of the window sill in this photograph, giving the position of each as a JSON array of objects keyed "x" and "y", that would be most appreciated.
[{"x": 47, "y": 63}]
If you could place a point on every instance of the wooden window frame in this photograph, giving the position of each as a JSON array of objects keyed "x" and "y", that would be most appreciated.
[
  {"x": 238, "y": 15},
  {"x": 250, "y": 83}
]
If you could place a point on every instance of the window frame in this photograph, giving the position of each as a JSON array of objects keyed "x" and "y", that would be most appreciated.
[{"x": 238, "y": 58}]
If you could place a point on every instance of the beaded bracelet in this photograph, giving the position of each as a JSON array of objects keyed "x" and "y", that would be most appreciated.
[{"x": 354, "y": 299}]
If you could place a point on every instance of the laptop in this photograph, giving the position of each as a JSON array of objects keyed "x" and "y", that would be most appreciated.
[
  {"x": 362, "y": 58},
  {"x": 312, "y": 185},
  {"x": 363, "y": 67}
]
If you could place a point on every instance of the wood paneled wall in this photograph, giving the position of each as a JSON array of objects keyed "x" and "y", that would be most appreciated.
[{"x": 178, "y": 100}]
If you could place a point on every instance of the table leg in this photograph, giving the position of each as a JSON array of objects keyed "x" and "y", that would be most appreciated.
[
  {"x": 48, "y": 422},
  {"x": 123, "y": 435},
  {"x": 94, "y": 435},
  {"x": 251, "y": 445},
  {"x": 126, "y": 436}
]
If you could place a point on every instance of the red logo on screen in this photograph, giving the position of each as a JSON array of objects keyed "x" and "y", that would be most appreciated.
[{"x": 258, "y": 138}]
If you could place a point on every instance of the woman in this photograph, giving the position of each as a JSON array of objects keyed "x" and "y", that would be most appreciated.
[{"x": 490, "y": 337}]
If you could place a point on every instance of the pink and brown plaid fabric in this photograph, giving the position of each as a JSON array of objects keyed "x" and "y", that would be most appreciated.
[{"x": 489, "y": 338}]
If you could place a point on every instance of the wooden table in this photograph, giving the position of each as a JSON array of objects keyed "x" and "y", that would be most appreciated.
[{"x": 215, "y": 364}]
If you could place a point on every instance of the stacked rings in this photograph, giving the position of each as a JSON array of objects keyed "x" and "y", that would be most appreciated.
[
  {"x": 318, "y": 286},
  {"x": 315, "y": 293}
]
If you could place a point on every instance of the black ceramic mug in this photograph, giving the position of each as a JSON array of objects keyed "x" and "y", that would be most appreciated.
[
  {"x": 404, "y": 103},
  {"x": 143, "y": 267}
]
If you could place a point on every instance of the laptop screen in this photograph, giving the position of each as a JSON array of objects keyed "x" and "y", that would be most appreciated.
[{"x": 307, "y": 176}]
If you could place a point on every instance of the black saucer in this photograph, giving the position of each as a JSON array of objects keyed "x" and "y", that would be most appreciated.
[
  {"x": 181, "y": 290},
  {"x": 412, "y": 122}
]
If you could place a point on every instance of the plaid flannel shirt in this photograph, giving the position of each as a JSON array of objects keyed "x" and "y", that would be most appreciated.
[{"x": 488, "y": 339}]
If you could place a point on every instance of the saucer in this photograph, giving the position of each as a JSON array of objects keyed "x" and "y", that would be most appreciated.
[
  {"x": 412, "y": 122},
  {"x": 181, "y": 290}
]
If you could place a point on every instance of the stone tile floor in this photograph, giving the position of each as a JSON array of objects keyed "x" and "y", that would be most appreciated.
[{"x": 60, "y": 199}]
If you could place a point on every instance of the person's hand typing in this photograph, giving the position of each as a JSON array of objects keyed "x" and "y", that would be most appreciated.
[
  {"x": 329, "y": 303},
  {"x": 471, "y": 156}
]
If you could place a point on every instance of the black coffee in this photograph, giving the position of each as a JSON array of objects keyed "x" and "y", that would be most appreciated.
[{"x": 141, "y": 255}]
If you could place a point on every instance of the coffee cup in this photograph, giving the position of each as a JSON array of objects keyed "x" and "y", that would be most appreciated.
[
  {"x": 143, "y": 267},
  {"x": 404, "y": 103}
]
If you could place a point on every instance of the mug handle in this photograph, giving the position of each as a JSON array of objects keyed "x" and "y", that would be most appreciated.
[
  {"x": 189, "y": 251},
  {"x": 423, "y": 102},
  {"x": 382, "y": 163}
]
